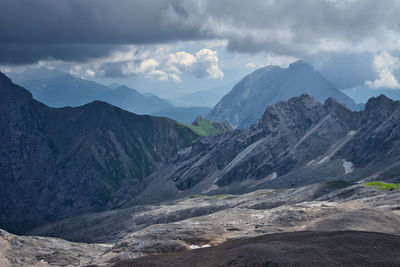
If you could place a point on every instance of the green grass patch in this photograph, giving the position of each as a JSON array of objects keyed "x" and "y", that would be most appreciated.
[
  {"x": 204, "y": 127},
  {"x": 338, "y": 184},
  {"x": 221, "y": 196},
  {"x": 383, "y": 186}
]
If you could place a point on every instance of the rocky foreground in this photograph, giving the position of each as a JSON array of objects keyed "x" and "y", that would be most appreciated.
[
  {"x": 226, "y": 227},
  {"x": 349, "y": 248}
]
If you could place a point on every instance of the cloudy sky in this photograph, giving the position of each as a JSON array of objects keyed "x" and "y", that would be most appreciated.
[{"x": 180, "y": 46}]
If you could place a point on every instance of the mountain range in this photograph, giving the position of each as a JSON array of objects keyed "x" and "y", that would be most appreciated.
[
  {"x": 59, "y": 89},
  {"x": 246, "y": 102},
  {"x": 98, "y": 185},
  {"x": 295, "y": 143},
  {"x": 305, "y": 176}
]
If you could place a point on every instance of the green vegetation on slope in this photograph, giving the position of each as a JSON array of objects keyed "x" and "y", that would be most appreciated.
[
  {"x": 204, "y": 127},
  {"x": 383, "y": 186}
]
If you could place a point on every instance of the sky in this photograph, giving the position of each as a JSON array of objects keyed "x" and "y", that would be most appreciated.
[{"x": 172, "y": 48}]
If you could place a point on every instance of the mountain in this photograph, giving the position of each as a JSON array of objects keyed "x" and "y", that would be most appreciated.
[
  {"x": 306, "y": 171},
  {"x": 58, "y": 89},
  {"x": 185, "y": 115},
  {"x": 295, "y": 143},
  {"x": 59, "y": 162},
  {"x": 246, "y": 102},
  {"x": 204, "y": 98},
  {"x": 131, "y": 100}
]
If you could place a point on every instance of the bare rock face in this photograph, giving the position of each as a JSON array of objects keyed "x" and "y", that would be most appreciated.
[
  {"x": 245, "y": 104},
  {"x": 297, "y": 142},
  {"x": 56, "y": 163},
  {"x": 41, "y": 251}
]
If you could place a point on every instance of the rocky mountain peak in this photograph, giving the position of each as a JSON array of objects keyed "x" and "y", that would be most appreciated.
[
  {"x": 379, "y": 101},
  {"x": 4, "y": 78},
  {"x": 380, "y": 106},
  {"x": 332, "y": 104},
  {"x": 300, "y": 108},
  {"x": 245, "y": 104},
  {"x": 12, "y": 92}
]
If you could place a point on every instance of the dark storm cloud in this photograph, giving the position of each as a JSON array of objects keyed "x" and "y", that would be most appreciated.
[
  {"x": 80, "y": 30},
  {"x": 32, "y": 53},
  {"x": 88, "y": 21},
  {"x": 296, "y": 27}
]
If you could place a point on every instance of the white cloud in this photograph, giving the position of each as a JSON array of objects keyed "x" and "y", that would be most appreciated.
[
  {"x": 158, "y": 62},
  {"x": 90, "y": 73},
  {"x": 385, "y": 64},
  {"x": 251, "y": 65},
  {"x": 204, "y": 63},
  {"x": 207, "y": 60}
]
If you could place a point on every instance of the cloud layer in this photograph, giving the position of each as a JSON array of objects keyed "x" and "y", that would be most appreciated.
[
  {"x": 158, "y": 62},
  {"x": 75, "y": 30},
  {"x": 385, "y": 64}
]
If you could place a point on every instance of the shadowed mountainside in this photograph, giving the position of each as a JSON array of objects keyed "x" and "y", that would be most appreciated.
[{"x": 58, "y": 162}]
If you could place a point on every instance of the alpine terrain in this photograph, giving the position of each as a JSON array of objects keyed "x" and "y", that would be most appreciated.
[{"x": 245, "y": 104}]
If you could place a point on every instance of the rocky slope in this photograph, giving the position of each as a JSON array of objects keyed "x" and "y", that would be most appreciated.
[
  {"x": 247, "y": 101},
  {"x": 295, "y": 143},
  {"x": 56, "y": 163},
  {"x": 205, "y": 221},
  {"x": 347, "y": 248}
]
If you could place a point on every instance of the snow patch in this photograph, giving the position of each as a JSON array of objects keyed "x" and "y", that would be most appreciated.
[
  {"x": 311, "y": 162},
  {"x": 270, "y": 177},
  {"x": 348, "y": 166},
  {"x": 197, "y": 247},
  {"x": 323, "y": 160}
]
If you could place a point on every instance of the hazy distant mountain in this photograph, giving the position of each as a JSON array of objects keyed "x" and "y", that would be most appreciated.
[
  {"x": 131, "y": 100},
  {"x": 247, "y": 101},
  {"x": 204, "y": 98},
  {"x": 362, "y": 94},
  {"x": 59, "y": 89},
  {"x": 58, "y": 162},
  {"x": 186, "y": 115}
]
